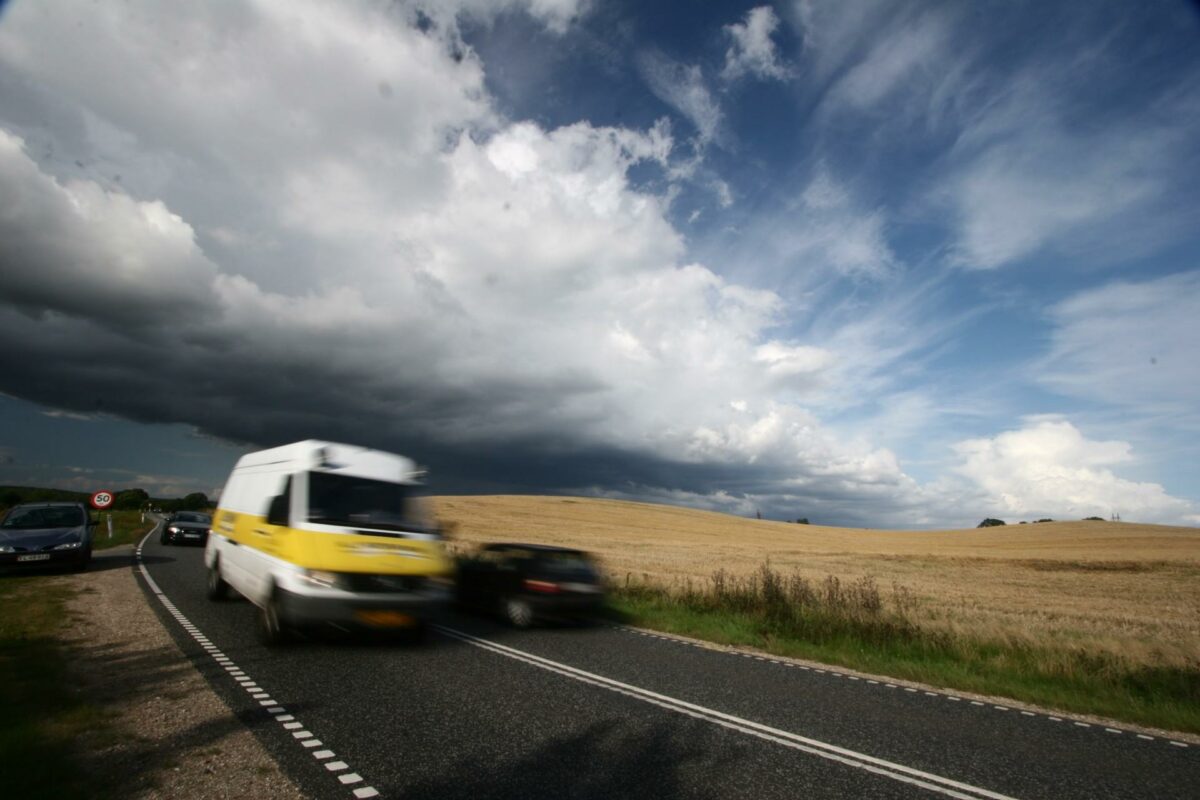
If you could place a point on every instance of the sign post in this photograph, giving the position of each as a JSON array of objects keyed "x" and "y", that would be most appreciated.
[{"x": 100, "y": 501}]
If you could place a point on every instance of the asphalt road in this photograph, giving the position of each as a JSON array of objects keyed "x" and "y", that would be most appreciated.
[{"x": 482, "y": 711}]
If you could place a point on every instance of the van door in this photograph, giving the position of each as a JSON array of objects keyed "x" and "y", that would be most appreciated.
[{"x": 268, "y": 539}]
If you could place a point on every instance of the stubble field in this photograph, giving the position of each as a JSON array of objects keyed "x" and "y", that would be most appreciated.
[{"x": 1124, "y": 590}]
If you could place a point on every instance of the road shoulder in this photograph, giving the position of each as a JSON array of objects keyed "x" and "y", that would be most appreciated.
[{"x": 174, "y": 735}]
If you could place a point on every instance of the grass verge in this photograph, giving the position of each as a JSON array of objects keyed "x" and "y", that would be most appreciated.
[
  {"x": 41, "y": 717},
  {"x": 858, "y": 626},
  {"x": 128, "y": 528}
]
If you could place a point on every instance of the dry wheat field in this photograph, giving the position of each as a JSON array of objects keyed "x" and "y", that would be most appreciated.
[{"x": 1123, "y": 588}]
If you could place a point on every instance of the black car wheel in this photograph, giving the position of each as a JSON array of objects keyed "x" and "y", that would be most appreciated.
[
  {"x": 518, "y": 612},
  {"x": 164, "y": 538},
  {"x": 216, "y": 587}
]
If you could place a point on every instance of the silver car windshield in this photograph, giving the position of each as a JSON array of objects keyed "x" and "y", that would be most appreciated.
[{"x": 34, "y": 518}]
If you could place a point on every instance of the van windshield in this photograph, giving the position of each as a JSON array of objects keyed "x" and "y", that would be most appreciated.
[{"x": 362, "y": 502}]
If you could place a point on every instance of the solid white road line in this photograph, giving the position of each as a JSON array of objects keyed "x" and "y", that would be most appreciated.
[{"x": 878, "y": 766}]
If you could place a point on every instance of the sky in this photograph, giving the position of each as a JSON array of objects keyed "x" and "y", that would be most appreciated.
[{"x": 877, "y": 264}]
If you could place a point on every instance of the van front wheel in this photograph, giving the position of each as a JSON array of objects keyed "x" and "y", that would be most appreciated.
[
  {"x": 270, "y": 624},
  {"x": 216, "y": 587}
]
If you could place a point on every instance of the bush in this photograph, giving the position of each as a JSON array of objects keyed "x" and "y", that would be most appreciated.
[{"x": 990, "y": 523}]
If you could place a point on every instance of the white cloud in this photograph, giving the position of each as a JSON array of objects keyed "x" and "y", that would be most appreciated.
[
  {"x": 683, "y": 88},
  {"x": 913, "y": 47},
  {"x": 753, "y": 52},
  {"x": 1045, "y": 187},
  {"x": 824, "y": 232},
  {"x": 1048, "y": 468},
  {"x": 556, "y": 15},
  {"x": 1130, "y": 344}
]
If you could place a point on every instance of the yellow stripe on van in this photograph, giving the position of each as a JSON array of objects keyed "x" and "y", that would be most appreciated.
[{"x": 335, "y": 552}]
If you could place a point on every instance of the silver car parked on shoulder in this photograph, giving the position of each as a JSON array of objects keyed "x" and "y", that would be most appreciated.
[{"x": 43, "y": 534}]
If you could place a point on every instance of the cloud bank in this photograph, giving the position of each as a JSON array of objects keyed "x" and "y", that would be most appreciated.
[{"x": 318, "y": 223}]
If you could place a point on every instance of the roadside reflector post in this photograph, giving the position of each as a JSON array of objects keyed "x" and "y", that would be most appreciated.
[{"x": 110, "y": 526}]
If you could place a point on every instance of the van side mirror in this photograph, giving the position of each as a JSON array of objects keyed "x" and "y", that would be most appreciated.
[{"x": 277, "y": 513}]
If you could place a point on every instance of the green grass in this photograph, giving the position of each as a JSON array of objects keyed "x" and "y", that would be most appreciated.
[
  {"x": 41, "y": 716},
  {"x": 856, "y": 626},
  {"x": 128, "y": 528}
]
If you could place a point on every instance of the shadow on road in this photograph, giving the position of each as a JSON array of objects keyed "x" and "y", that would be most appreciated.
[{"x": 620, "y": 763}]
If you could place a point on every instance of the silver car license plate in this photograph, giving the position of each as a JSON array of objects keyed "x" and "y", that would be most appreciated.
[{"x": 35, "y": 557}]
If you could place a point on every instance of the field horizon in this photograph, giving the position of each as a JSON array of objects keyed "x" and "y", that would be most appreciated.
[{"x": 1122, "y": 589}]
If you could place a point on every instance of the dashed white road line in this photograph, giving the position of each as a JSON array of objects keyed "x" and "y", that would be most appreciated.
[{"x": 288, "y": 722}]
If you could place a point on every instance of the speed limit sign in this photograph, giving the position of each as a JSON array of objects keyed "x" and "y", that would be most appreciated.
[{"x": 102, "y": 500}]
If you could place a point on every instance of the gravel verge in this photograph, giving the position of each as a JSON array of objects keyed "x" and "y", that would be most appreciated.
[{"x": 170, "y": 734}]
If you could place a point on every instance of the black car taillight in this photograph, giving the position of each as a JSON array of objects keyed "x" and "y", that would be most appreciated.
[{"x": 542, "y": 587}]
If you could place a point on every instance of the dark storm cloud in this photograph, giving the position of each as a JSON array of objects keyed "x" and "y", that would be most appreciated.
[{"x": 292, "y": 253}]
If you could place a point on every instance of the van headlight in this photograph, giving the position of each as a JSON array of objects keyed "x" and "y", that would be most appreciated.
[
  {"x": 7, "y": 548},
  {"x": 318, "y": 577},
  {"x": 68, "y": 546}
]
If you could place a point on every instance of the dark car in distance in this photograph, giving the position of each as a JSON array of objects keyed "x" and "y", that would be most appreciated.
[
  {"x": 528, "y": 582},
  {"x": 186, "y": 527},
  {"x": 46, "y": 534}
]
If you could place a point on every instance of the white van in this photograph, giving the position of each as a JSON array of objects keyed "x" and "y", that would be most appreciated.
[{"x": 319, "y": 532}]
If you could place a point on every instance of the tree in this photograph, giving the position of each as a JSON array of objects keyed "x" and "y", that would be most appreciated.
[
  {"x": 196, "y": 501},
  {"x": 130, "y": 499},
  {"x": 802, "y": 521},
  {"x": 990, "y": 523}
]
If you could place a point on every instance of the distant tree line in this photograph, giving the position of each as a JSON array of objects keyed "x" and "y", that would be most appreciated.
[
  {"x": 991, "y": 522},
  {"x": 124, "y": 500}
]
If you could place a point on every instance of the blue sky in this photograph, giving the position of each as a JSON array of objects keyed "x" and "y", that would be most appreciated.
[{"x": 880, "y": 264}]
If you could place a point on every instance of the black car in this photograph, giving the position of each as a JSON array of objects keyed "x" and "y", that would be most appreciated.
[
  {"x": 43, "y": 534},
  {"x": 186, "y": 527},
  {"x": 527, "y": 582}
]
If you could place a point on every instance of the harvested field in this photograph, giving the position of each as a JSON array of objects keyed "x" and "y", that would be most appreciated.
[{"x": 1118, "y": 588}]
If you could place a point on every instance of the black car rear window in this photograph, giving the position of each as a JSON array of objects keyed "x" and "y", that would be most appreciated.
[{"x": 564, "y": 563}]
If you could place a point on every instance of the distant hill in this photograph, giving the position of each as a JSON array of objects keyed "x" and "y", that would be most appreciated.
[{"x": 11, "y": 495}]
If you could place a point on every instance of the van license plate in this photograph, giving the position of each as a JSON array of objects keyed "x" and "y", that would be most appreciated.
[
  {"x": 35, "y": 557},
  {"x": 384, "y": 619}
]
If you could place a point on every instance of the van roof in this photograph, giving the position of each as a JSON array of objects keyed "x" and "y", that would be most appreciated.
[{"x": 323, "y": 456}]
